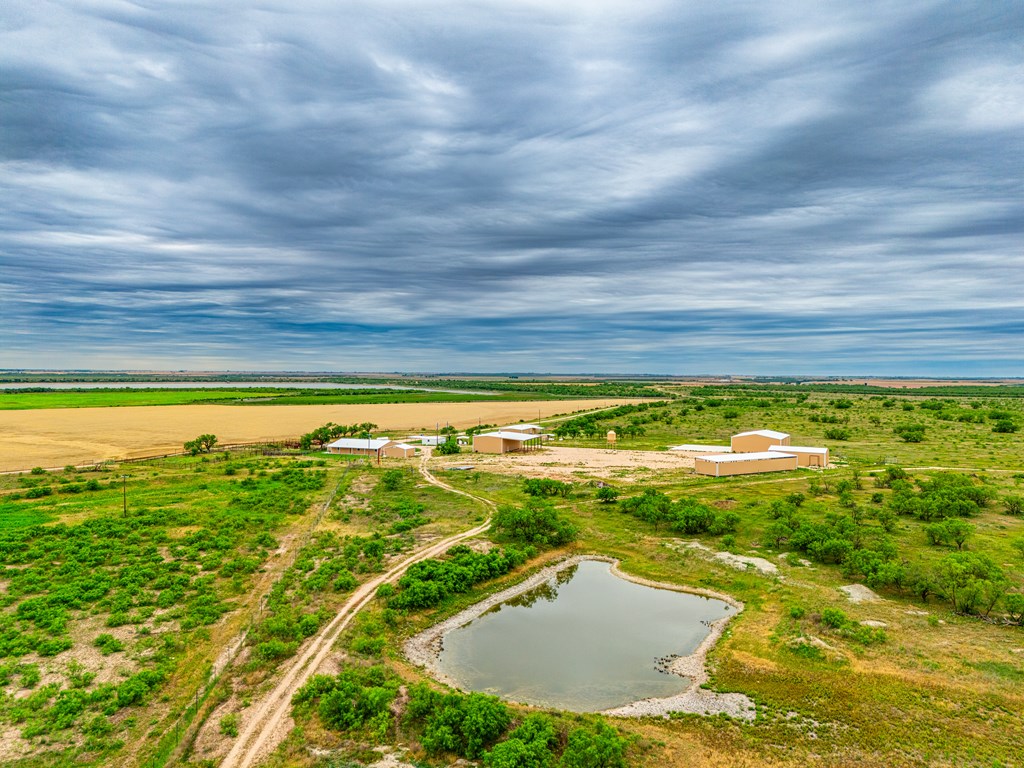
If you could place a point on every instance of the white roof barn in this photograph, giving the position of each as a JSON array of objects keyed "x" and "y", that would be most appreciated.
[
  {"x": 764, "y": 433},
  {"x": 359, "y": 443}
]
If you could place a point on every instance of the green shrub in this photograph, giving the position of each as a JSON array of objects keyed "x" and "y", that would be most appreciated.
[
  {"x": 108, "y": 644},
  {"x": 834, "y": 618},
  {"x": 529, "y": 745},
  {"x": 392, "y": 480},
  {"x": 545, "y": 486},
  {"x": 1014, "y": 505},
  {"x": 465, "y": 724},
  {"x": 910, "y": 433},
  {"x": 537, "y": 523},
  {"x": 837, "y": 434},
  {"x": 229, "y": 724},
  {"x": 449, "y": 447},
  {"x": 597, "y": 747}
]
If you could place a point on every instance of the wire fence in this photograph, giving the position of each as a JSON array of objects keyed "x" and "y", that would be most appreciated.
[{"x": 179, "y": 737}]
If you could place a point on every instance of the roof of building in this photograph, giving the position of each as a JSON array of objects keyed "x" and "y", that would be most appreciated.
[
  {"x": 764, "y": 433},
  {"x": 405, "y": 446},
  {"x": 796, "y": 449},
  {"x": 373, "y": 444},
  {"x": 521, "y": 426},
  {"x": 759, "y": 456},
  {"x": 510, "y": 435},
  {"x": 700, "y": 448}
]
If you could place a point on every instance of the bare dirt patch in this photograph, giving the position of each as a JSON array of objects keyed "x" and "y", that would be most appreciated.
[
  {"x": 570, "y": 464},
  {"x": 59, "y": 436}
]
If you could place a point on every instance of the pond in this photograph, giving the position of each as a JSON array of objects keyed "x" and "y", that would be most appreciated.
[{"x": 586, "y": 640}]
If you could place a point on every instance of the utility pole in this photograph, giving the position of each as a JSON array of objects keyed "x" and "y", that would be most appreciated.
[{"x": 124, "y": 495}]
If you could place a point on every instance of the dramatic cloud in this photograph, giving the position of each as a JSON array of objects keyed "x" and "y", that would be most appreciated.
[{"x": 586, "y": 186}]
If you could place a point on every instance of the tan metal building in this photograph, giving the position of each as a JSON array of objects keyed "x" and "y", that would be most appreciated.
[
  {"x": 358, "y": 446},
  {"x": 505, "y": 442},
  {"x": 399, "y": 451},
  {"x": 744, "y": 463},
  {"x": 526, "y": 429},
  {"x": 807, "y": 456},
  {"x": 702, "y": 449},
  {"x": 758, "y": 440}
]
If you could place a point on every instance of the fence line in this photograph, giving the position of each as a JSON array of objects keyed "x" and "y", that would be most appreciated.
[{"x": 169, "y": 744}]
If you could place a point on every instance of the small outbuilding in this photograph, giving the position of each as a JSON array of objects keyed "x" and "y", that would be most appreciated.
[
  {"x": 399, "y": 451},
  {"x": 359, "y": 446},
  {"x": 744, "y": 463},
  {"x": 807, "y": 456},
  {"x": 505, "y": 442},
  {"x": 430, "y": 439},
  {"x": 759, "y": 440}
]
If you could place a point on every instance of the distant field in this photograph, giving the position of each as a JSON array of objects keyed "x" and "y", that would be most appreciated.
[
  {"x": 13, "y": 400},
  {"x": 58, "y": 436}
]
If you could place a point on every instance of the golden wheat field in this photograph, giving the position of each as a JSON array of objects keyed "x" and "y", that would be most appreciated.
[{"x": 60, "y": 436}]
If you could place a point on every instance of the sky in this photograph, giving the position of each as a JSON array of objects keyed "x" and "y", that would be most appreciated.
[{"x": 673, "y": 187}]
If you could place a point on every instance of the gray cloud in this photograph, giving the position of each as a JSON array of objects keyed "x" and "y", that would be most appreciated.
[{"x": 589, "y": 187}]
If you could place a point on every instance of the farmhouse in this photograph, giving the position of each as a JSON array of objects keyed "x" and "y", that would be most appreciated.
[
  {"x": 359, "y": 446},
  {"x": 806, "y": 455},
  {"x": 744, "y": 463},
  {"x": 758, "y": 441},
  {"x": 505, "y": 442}
]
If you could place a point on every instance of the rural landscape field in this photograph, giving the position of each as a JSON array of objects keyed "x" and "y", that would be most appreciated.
[
  {"x": 248, "y": 606},
  {"x": 511, "y": 384},
  {"x": 59, "y": 436}
]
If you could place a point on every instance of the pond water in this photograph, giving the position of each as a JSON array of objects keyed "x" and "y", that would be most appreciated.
[{"x": 585, "y": 641}]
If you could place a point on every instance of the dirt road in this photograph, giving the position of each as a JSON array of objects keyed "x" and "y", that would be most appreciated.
[{"x": 267, "y": 723}]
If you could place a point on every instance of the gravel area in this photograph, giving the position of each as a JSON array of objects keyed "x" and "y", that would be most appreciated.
[
  {"x": 740, "y": 562},
  {"x": 425, "y": 648},
  {"x": 858, "y": 593},
  {"x": 570, "y": 464}
]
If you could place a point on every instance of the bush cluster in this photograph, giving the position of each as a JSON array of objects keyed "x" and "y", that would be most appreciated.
[
  {"x": 536, "y": 524},
  {"x": 430, "y": 582},
  {"x": 472, "y": 726},
  {"x": 686, "y": 516}
]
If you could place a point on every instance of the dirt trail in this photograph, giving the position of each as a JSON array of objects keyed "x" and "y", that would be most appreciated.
[{"x": 266, "y": 723}]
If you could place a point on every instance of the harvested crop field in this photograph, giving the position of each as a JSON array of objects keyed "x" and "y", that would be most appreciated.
[{"x": 60, "y": 436}]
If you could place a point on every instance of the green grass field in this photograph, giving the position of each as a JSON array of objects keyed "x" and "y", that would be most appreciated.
[
  {"x": 106, "y": 398},
  {"x": 32, "y": 396}
]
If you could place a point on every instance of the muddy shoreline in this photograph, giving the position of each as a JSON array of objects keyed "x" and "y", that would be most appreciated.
[{"x": 424, "y": 649}]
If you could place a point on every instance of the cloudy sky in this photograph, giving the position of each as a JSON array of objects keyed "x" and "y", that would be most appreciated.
[{"x": 582, "y": 185}]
